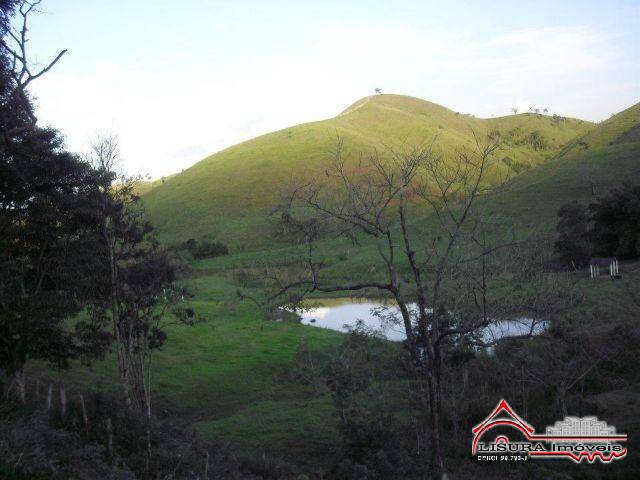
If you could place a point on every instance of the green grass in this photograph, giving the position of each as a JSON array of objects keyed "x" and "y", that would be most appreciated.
[
  {"x": 291, "y": 428},
  {"x": 529, "y": 205},
  {"x": 623, "y": 127},
  {"x": 230, "y": 194},
  {"x": 229, "y": 377}
]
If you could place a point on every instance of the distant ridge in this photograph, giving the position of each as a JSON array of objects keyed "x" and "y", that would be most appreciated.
[{"x": 623, "y": 127}]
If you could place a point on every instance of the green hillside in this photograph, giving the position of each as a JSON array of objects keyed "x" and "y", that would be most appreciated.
[
  {"x": 528, "y": 205},
  {"x": 623, "y": 127},
  {"x": 269, "y": 410},
  {"x": 595, "y": 163},
  {"x": 230, "y": 194},
  {"x": 142, "y": 187}
]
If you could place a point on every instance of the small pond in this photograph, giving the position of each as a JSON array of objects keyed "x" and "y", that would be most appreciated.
[{"x": 342, "y": 314}]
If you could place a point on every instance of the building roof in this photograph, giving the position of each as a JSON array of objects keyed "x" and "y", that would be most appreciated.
[{"x": 602, "y": 261}]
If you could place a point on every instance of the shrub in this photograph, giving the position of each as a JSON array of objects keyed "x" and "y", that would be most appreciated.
[
  {"x": 203, "y": 248},
  {"x": 537, "y": 140},
  {"x": 616, "y": 222}
]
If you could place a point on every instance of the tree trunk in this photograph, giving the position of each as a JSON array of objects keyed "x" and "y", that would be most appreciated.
[
  {"x": 122, "y": 344},
  {"x": 8, "y": 387},
  {"x": 437, "y": 460},
  {"x": 109, "y": 437},
  {"x": 21, "y": 389},
  {"x": 49, "y": 395},
  {"x": 85, "y": 418},
  {"x": 148, "y": 434},
  {"x": 561, "y": 402},
  {"x": 37, "y": 390}
]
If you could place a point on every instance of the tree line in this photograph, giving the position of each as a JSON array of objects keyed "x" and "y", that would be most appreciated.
[{"x": 80, "y": 269}]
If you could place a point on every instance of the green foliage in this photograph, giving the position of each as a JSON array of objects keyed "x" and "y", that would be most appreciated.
[
  {"x": 47, "y": 206},
  {"x": 373, "y": 437},
  {"x": 537, "y": 140},
  {"x": 203, "y": 248},
  {"x": 572, "y": 240},
  {"x": 513, "y": 165},
  {"x": 616, "y": 222},
  {"x": 609, "y": 227}
]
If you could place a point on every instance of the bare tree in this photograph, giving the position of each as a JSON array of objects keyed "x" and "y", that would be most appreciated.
[
  {"x": 514, "y": 110},
  {"x": 104, "y": 156},
  {"x": 23, "y": 70},
  {"x": 442, "y": 286},
  {"x": 137, "y": 282}
]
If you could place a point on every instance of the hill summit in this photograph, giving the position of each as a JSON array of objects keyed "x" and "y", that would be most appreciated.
[{"x": 228, "y": 195}]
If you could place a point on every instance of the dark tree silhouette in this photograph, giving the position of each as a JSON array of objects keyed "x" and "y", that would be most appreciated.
[
  {"x": 47, "y": 204},
  {"x": 572, "y": 243},
  {"x": 616, "y": 222}
]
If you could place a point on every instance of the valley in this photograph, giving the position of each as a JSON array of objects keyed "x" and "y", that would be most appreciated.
[{"x": 272, "y": 410}]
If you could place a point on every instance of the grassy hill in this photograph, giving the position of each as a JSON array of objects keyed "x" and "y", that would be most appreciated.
[
  {"x": 142, "y": 187},
  {"x": 229, "y": 195},
  {"x": 621, "y": 128},
  {"x": 232, "y": 377},
  {"x": 528, "y": 205}
]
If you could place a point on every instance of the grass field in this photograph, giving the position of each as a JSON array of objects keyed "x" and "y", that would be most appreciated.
[{"x": 231, "y": 376}]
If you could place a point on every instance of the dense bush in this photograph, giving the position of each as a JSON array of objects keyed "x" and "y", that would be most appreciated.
[
  {"x": 616, "y": 222},
  {"x": 608, "y": 227},
  {"x": 203, "y": 248},
  {"x": 537, "y": 140},
  {"x": 31, "y": 448},
  {"x": 572, "y": 239},
  {"x": 376, "y": 443},
  {"x": 35, "y": 444}
]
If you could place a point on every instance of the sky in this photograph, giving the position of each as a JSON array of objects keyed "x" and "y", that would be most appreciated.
[{"x": 177, "y": 81}]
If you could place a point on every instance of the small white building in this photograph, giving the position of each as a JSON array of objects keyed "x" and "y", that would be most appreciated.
[{"x": 604, "y": 266}]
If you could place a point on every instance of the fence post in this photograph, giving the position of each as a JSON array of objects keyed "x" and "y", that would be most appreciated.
[
  {"x": 85, "y": 419},
  {"x": 20, "y": 384},
  {"x": 63, "y": 400},
  {"x": 49, "y": 395},
  {"x": 109, "y": 437}
]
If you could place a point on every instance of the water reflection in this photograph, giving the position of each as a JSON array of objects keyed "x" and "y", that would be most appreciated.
[{"x": 342, "y": 314}]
